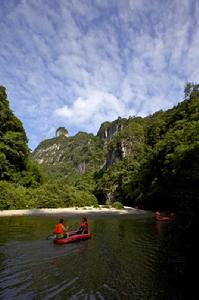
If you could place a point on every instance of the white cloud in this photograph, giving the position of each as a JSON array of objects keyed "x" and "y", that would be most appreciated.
[
  {"x": 91, "y": 111},
  {"x": 85, "y": 62}
]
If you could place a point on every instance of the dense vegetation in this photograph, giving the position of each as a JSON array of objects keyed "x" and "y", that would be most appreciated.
[
  {"x": 15, "y": 164},
  {"x": 161, "y": 169},
  {"x": 22, "y": 182},
  {"x": 150, "y": 162}
]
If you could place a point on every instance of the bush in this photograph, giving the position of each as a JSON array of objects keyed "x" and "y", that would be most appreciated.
[
  {"x": 12, "y": 196},
  {"x": 49, "y": 195},
  {"x": 117, "y": 205}
]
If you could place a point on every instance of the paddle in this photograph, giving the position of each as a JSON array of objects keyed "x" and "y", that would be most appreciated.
[{"x": 50, "y": 236}]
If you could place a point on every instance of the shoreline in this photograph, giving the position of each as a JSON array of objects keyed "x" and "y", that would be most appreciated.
[{"x": 72, "y": 211}]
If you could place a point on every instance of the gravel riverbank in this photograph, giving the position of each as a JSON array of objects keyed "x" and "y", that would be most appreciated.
[{"x": 72, "y": 211}]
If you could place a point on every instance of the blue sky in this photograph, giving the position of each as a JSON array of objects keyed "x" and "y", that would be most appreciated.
[{"x": 78, "y": 63}]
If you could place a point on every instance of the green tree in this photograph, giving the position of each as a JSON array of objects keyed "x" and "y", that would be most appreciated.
[{"x": 15, "y": 163}]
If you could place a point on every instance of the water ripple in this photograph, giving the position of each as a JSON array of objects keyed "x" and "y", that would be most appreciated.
[
  {"x": 59, "y": 288},
  {"x": 125, "y": 259}
]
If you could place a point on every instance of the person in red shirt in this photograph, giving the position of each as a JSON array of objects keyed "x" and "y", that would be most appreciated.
[
  {"x": 83, "y": 227},
  {"x": 157, "y": 214}
]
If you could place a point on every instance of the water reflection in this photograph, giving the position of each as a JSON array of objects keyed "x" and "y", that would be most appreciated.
[
  {"x": 178, "y": 254},
  {"x": 127, "y": 258}
]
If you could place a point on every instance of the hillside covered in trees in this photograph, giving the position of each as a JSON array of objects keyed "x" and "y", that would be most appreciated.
[
  {"x": 161, "y": 167},
  {"x": 150, "y": 162},
  {"x": 22, "y": 182}
]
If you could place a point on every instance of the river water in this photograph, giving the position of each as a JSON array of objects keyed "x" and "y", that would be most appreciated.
[{"x": 127, "y": 258}]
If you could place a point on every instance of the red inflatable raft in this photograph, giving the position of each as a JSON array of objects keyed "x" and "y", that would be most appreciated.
[
  {"x": 73, "y": 237},
  {"x": 164, "y": 218}
]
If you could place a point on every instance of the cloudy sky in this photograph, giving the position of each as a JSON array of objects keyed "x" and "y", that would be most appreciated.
[{"x": 78, "y": 63}]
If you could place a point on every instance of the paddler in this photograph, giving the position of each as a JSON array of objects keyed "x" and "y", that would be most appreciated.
[
  {"x": 60, "y": 230},
  {"x": 83, "y": 227}
]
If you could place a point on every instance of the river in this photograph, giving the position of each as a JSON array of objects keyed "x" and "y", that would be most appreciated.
[{"x": 128, "y": 257}]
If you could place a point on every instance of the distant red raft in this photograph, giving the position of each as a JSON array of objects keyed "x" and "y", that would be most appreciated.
[
  {"x": 73, "y": 237},
  {"x": 164, "y": 218}
]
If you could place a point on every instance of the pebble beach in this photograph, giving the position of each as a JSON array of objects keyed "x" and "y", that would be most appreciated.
[{"x": 73, "y": 211}]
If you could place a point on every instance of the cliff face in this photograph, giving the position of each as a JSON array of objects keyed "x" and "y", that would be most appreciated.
[
  {"x": 48, "y": 154},
  {"x": 81, "y": 153},
  {"x": 86, "y": 152},
  {"x": 109, "y": 129},
  {"x": 95, "y": 156},
  {"x": 122, "y": 138}
]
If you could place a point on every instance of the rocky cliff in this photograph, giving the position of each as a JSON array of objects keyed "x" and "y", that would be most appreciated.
[
  {"x": 86, "y": 152},
  {"x": 80, "y": 153}
]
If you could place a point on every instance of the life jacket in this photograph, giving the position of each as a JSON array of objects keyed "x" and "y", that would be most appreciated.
[
  {"x": 84, "y": 226},
  {"x": 58, "y": 229}
]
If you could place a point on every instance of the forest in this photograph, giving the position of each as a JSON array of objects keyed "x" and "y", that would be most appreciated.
[{"x": 151, "y": 162}]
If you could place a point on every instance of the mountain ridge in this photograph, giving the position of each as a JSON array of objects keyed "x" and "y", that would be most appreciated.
[{"x": 133, "y": 160}]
